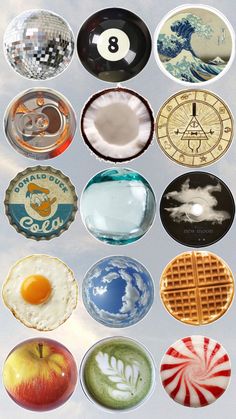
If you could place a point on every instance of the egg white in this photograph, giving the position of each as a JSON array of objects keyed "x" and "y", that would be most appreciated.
[{"x": 61, "y": 303}]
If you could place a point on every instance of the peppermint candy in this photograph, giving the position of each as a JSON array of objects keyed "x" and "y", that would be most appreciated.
[{"x": 195, "y": 371}]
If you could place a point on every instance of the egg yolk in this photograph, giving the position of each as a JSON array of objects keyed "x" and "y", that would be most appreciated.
[{"x": 36, "y": 289}]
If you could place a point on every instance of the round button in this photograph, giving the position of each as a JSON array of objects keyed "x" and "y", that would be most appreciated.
[
  {"x": 197, "y": 287},
  {"x": 40, "y": 202},
  {"x": 117, "y": 374},
  {"x": 38, "y": 44},
  {"x": 108, "y": 196},
  {"x": 114, "y": 44},
  {"x": 40, "y": 123},
  {"x": 117, "y": 124},
  {"x": 118, "y": 291},
  {"x": 32, "y": 366},
  {"x": 194, "y": 127},
  {"x": 194, "y": 44},
  {"x": 195, "y": 371},
  {"x": 197, "y": 209}
]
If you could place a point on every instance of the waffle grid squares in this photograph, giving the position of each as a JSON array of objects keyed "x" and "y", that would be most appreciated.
[{"x": 197, "y": 287}]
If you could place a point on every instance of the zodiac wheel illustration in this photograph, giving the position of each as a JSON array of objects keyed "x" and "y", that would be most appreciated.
[{"x": 194, "y": 128}]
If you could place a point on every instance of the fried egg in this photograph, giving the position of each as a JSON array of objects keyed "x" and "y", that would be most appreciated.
[{"x": 40, "y": 291}]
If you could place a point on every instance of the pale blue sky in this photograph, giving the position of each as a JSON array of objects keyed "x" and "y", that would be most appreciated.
[{"x": 79, "y": 250}]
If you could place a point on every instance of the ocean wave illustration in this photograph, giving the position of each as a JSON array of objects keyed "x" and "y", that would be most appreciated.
[
  {"x": 192, "y": 69},
  {"x": 177, "y": 53}
]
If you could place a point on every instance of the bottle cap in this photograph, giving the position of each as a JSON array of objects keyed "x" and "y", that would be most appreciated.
[{"x": 41, "y": 203}]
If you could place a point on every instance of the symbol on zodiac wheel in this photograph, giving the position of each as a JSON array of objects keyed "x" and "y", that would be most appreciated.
[{"x": 194, "y": 133}]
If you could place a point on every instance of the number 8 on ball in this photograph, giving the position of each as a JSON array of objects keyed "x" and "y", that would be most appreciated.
[{"x": 114, "y": 44}]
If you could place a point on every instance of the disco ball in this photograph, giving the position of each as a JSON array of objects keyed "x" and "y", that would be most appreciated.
[{"x": 38, "y": 44}]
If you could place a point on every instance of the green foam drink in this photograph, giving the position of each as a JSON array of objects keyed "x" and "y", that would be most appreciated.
[{"x": 118, "y": 373}]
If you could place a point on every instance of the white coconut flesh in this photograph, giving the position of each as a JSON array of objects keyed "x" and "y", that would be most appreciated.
[{"x": 117, "y": 124}]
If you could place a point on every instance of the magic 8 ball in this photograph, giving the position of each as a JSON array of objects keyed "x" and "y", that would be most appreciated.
[{"x": 114, "y": 44}]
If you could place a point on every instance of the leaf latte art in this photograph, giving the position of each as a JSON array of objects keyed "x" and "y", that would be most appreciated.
[
  {"x": 195, "y": 371},
  {"x": 117, "y": 373},
  {"x": 125, "y": 378}
]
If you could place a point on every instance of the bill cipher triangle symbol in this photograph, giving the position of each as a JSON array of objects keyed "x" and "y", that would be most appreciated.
[
  {"x": 194, "y": 129},
  {"x": 194, "y": 134}
]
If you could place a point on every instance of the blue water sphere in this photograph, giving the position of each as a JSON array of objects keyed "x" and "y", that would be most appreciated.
[
  {"x": 118, "y": 206},
  {"x": 118, "y": 291}
]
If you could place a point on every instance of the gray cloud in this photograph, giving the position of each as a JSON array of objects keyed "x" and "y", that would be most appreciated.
[{"x": 202, "y": 196}]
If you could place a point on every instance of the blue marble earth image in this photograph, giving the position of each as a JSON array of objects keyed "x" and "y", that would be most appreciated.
[{"x": 118, "y": 291}]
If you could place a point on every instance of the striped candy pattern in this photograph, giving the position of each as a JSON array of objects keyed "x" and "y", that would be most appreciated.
[{"x": 195, "y": 371}]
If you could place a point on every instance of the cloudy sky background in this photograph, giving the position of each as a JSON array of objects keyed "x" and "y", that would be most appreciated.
[{"x": 79, "y": 250}]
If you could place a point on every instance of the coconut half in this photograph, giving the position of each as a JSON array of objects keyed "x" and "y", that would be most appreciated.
[{"x": 117, "y": 124}]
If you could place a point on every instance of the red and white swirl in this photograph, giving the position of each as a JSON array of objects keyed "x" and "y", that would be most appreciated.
[{"x": 195, "y": 371}]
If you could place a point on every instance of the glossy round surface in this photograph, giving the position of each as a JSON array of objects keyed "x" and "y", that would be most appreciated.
[
  {"x": 194, "y": 128},
  {"x": 117, "y": 124},
  {"x": 38, "y": 44},
  {"x": 194, "y": 44},
  {"x": 118, "y": 291},
  {"x": 197, "y": 209},
  {"x": 195, "y": 371},
  {"x": 40, "y": 202},
  {"x": 40, "y": 291},
  {"x": 40, "y": 123},
  {"x": 114, "y": 44},
  {"x": 118, "y": 206},
  {"x": 117, "y": 373},
  {"x": 40, "y": 374},
  {"x": 197, "y": 287}
]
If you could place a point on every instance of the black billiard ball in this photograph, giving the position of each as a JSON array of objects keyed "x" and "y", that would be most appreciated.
[{"x": 114, "y": 44}]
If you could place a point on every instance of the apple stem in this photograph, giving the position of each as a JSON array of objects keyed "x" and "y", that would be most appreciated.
[{"x": 40, "y": 346}]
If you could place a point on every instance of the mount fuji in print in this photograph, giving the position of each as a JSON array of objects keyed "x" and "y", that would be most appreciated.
[{"x": 183, "y": 43}]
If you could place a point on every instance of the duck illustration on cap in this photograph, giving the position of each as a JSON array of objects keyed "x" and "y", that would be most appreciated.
[{"x": 39, "y": 199}]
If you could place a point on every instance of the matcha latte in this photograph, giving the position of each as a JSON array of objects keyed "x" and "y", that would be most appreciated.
[{"x": 117, "y": 373}]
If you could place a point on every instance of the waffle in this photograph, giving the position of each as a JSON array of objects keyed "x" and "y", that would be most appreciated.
[{"x": 197, "y": 287}]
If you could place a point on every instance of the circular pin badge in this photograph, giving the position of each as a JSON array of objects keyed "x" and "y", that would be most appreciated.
[
  {"x": 118, "y": 206},
  {"x": 197, "y": 209},
  {"x": 38, "y": 44},
  {"x": 194, "y": 44},
  {"x": 118, "y": 291},
  {"x": 118, "y": 374},
  {"x": 195, "y": 371},
  {"x": 31, "y": 367},
  {"x": 114, "y": 44},
  {"x": 194, "y": 128},
  {"x": 40, "y": 123},
  {"x": 41, "y": 203},
  {"x": 117, "y": 124},
  {"x": 197, "y": 287}
]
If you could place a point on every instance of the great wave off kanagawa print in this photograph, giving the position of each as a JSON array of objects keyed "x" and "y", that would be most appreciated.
[{"x": 194, "y": 44}]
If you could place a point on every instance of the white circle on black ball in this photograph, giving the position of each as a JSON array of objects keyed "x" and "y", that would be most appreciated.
[{"x": 113, "y": 44}]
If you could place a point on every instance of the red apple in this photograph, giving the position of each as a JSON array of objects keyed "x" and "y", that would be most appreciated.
[{"x": 40, "y": 374}]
